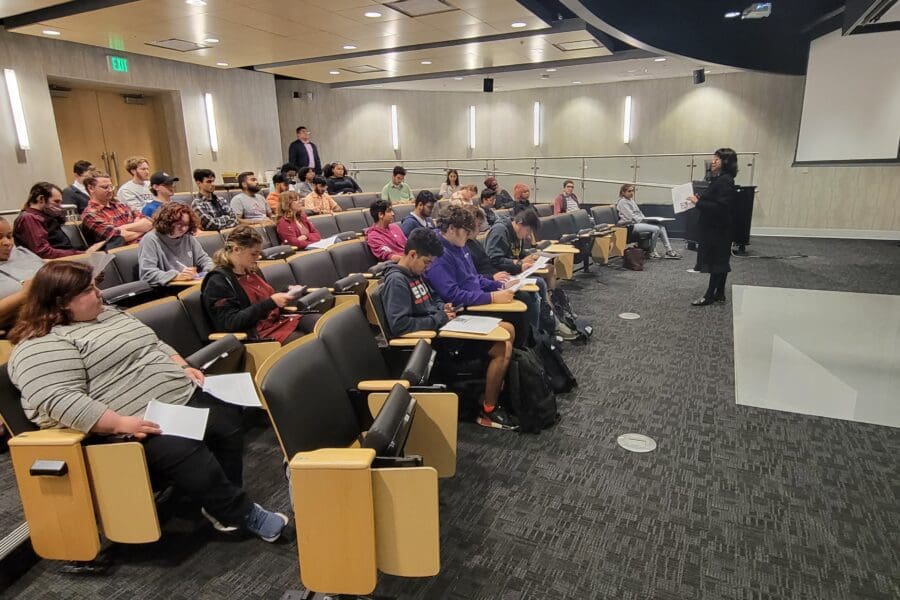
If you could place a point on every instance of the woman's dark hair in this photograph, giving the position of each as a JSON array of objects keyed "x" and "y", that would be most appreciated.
[
  {"x": 379, "y": 207},
  {"x": 287, "y": 167},
  {"x": 169, "y": 214},
  {"x": 424, "y": 242},
  {"x": 624, "y": 189},
  {"x": 326, "y": 169},
  {"x": 242, "y": 236},
  {"x": 42, "y": 189},
  {"x": 303, "y": 173},
  {"x": 455, "y": 172},
  {"x": 52, "y": 289},
  {"x": 335, "y": 165},
  {"x": 457, "y": 216},
  {"x": 729, "y": 160}
]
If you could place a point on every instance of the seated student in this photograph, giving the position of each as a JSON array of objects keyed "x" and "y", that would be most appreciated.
[
  {"x": 385, "y": 238},
  {"x": 279, "y": 186},
  {"x": 238, "y": 298},
  {"x": 249, "y": 206},
  {"x": 420, "y": 216},
  {"x": 464, "y": 195},
  {"x": 17, "y": 268},
  {"x": 450, "y": 185},
  {"x": 340, "y": 182},
  {"x": 486, "y": 204},
  {"x": 105, "y": 368},
  {"x": 105, "y": 218},
  {"x": 319, "y": 201},
  {"x": 289, "y": 172},
  {"x": 135, "y": 193},
  {"x": 503, "y": 199},
  {"x": 410, "y": 306},
  {"x": 567, "y": 201},
  {"x": 521, "y": 198},
  {"x": 305, "y": 185},
  {"x": 39, "y": 226},
  {"x": 76, "y": 193},
  {"x": 294, "y": 227},
  {"x": 171, "y": 252},
  {"x": 162, "y": 187},
  {"x": 214, "y": 211},
  {"x": 397, "y": 190},
  {"x": 630, "y": 214}
]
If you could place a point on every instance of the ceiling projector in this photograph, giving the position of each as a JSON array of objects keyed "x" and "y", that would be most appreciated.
[{"x": 757, "y": 10}]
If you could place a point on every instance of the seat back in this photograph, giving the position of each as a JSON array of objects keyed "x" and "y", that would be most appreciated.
[
  {"x": 566, "y": 223},
  {"x": 183, "y": 198},
  {"x": 345, "y": 201},
  {"x": 271, "y": 234},
  {"x": 73, "y": 232},
  {"x": 401, "y": 211},
  {"x": 127, "y": 260},
  {"x": 264, "y": 234},
  {"x": 352, "y": 220},
  {"x": 390, "y": 430},
  {"x": 549, "y": 229},
  {"x": 351, "y": 257},
  {"x": 345, "y": 332},
  {"x": 374, "y": 294},
  {"x": 305, "y": 399},
  {"x": 210, "y": 241},
  {"x": 169, "y": 320},
  {"x": 369, "y": 220},
  {"x": 192, "y": 301},
  {"x": 605, "y": 214},
  {"x": 544, "y": 210},
  {"x": 325, "y": 225},
  {"x": 314, "y": 268},
  {"x": 503, "y": 213},
  {"x": 582, "y": 220},
  {"x": 365, "y": 199},
  {"x": 11, "y": 412},
  {"x": 278, "y": 274}
]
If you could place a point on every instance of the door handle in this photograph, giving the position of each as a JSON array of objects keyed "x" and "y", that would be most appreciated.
[
  {"x": 105, "y": 158},
  {"x": 115, "y": 162}
]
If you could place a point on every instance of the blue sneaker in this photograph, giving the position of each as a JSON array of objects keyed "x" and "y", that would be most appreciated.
[{"x": 267, "y": 525}]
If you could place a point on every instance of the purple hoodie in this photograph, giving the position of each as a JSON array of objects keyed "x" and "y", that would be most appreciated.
[{"x": 454, "y": 278}]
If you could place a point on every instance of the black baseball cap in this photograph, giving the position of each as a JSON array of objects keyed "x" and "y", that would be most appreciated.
[{"x": 162, "y": 178}]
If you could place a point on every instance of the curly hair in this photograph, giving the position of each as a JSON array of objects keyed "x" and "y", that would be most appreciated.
[
  {"x": 52, "y": 289},
  {"x": 242, "y": 236},
  {"x": 457, "y": 216},
  {"x": 133, "y": 162},
  {"x": 169, "y": 214}
]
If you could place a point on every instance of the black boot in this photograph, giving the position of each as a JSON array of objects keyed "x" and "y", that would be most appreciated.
[{"x": 704, "y": 301}]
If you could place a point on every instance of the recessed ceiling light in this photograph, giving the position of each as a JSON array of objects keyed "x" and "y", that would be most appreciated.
[
  {"x": 334, "y": 72},
  {"x": 518, "y": 24},
  {"x": 733, "y": 14},
  {"x": 576, "y": 82},
  {"x": 551, "y": 70},
  {"x": 221, "y": 64},
  {"x": 660, "y": 59},
  {"x": 195, "y": 2},
  {"x": 211, "y": 40},
  {"x": 50, "y": 32},
  {"x": 349, "y": 47},
  {"x": 425, "y": 62},
  {"x": 457, "y": 79},
  {"x": 372, "y": 14}
]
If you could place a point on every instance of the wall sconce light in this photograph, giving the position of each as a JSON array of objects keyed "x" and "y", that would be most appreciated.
[
  {"x": 472, "y": 127},
  {"x": 15, "y": 102},
  {"x": 536, "y": 125},
  {"x": 211, "y": 122},
  {"x": 395, "y": 128},
  {"x": 626, "y": 133}
]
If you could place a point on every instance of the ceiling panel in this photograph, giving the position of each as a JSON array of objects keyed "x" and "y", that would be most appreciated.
[{"x": 9, "y": 8}]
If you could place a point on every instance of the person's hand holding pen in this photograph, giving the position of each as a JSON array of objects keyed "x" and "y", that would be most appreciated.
[
  {"x": 451, "y": 311},
  {"x": 187, "y": 273}
]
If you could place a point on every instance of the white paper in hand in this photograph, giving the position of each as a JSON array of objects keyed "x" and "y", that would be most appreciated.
[
  {"x": 175, "y": 419},
  {"x": 233, "y": 388},
  {"x": 680, "y": 195}
]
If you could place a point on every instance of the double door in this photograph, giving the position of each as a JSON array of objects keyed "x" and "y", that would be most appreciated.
[{"x": 101, "y": 127}]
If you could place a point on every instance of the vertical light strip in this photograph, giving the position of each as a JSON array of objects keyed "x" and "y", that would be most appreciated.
[
  {"x": 211, "y": 122},
  {"x": 472, "y": 127},
  {"x": 15, "y": 102},
  {"x": 536, "y": 125},
  {"x": 395, "y": 128},
  {"x": 626, "y": 133}
]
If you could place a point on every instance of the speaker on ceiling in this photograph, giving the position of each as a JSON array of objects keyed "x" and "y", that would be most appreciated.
[
  {"x": 488, "y": 84},
  {"x": 699, "y": 76}
]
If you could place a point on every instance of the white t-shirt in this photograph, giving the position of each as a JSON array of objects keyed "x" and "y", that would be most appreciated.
[{"x": 135, "y": 195}]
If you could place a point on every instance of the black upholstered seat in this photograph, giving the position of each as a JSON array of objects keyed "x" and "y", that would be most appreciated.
[
  {"x": 352, "y": 220},
  {"x": 351, "y": 257}
]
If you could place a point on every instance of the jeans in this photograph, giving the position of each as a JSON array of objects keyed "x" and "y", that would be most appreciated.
[{"x": 657, "y": 231}]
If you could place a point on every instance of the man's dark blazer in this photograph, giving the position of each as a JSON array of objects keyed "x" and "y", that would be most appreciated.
[
  {"x": 297, "y": 156},
  {"x": 72, "y": 195}
]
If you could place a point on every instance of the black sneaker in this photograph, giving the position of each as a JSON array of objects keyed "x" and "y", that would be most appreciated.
[{"x": 497, "y": 419}]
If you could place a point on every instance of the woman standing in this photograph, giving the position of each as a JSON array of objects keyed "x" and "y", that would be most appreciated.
[
  {"x": 450, "y": 185},
  {"x": 567, "y": 201},
  {"x": 715, "y": 206}
]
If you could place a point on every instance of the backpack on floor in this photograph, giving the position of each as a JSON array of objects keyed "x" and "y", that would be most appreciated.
[
  {"x": 558, "y": 373},
  {"x": 633, "y": 259},
  {"x": 528, "y": 394},
  {"x": 566, "y": 315},
  {"x": 548, "y": 318}
]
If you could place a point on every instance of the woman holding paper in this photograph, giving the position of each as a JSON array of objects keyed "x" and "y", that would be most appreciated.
[
  {"x": 238, "y": 298},
  {"x": 170, "y": 252},
  {"x": 93, "y": 368},
  {"x": 714, "y": 255}
]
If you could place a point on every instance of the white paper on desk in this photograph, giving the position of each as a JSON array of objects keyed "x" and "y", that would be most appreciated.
[
  {"x": 540, "y": 263},
  {"x": 329, "y": 241},
  {"x": 175, "y": 419},
  {"x": 518, "y": 282},
  {"x": 680, "y": 195},
  {"x": 472, "y": 324},
  {"x": 657, "y": 219},
  {"x": 233, "y": 388}
]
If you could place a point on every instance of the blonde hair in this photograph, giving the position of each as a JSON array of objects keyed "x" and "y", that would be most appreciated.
[
  {"x": 285, "y": 199},
  {"x": 133, "y": 162},
  {"x": 242, "y": 236}
]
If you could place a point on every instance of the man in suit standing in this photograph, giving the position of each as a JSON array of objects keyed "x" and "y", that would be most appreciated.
[
  {"x": 76, "y": 193},
  {"x": 303, "y": 153}
]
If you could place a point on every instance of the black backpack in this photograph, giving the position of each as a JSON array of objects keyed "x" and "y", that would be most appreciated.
[
  {"x": 558, "y": 373},
  {"x": 528, "y": 393},
  {"x": 566, "y": 315}
]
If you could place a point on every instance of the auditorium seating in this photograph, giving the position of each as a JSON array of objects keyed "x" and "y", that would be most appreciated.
[
  {"x": 73, "y": 232},
  {"x": 351, "y": 220},
  {"x": 345, "y": 201},
  {"x": 325, "y": 225}
]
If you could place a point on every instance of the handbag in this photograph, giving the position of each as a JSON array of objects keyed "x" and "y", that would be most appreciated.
[{"x": 633, "y": 259}]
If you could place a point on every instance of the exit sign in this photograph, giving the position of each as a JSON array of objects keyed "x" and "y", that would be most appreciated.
[{"x": 118, "y": 64}]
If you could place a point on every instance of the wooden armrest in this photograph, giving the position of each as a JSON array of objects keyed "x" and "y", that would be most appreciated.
[
  {"x": 562, "y": 249},
  {"x": 499, "y": 334},
  {"x": 48, "y": 437},
  {"x": 380, "y": 385},
  {"x": 514, "y": 306},
  {"x": 333, "y": 458},
  {"x": 185, "y": 283},
  {"x": 291, "y": 309},
  {"x": 420, "y": 335},
  {"x": 542, "y": 271},
  {"x": 218, "y": 336},
  {"x": 405, "y": 342},
  {"x": 529, "y": 287},
  {"x": 367, "y": 275}
]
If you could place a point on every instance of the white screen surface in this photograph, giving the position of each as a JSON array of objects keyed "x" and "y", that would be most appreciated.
[{"x": 851, "y": 104}]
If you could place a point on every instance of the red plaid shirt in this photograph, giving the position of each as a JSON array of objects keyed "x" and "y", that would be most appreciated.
[{"x": 102, "y": 222}]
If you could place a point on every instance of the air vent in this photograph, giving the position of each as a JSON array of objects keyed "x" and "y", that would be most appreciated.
[
  {"x": 360, "y": 69},
  {"x": 420, "y": 8},
  {"x": 579, "y": 45},
  {"x": 177, "y": 45}
]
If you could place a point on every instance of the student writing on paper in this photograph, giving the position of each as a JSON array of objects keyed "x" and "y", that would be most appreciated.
[
  {"x": 238, "y": 298},
  {"x": 409, "y": 305},
  {"x": 630, "y": 214},
  {"x": 170, "y": 252},
  {"x": 93, "y": 368}
]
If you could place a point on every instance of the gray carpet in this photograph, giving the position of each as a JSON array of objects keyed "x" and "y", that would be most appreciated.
[{"x": 736, "y": 502}]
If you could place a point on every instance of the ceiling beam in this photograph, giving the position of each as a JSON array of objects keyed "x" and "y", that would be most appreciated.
[{"x": 59, "y": 11}]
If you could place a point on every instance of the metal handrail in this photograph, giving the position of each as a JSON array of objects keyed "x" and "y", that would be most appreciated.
[{"x": 457, "y": 159}]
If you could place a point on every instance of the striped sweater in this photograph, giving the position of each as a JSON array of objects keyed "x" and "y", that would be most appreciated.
[{"x": 72, "y": 375}]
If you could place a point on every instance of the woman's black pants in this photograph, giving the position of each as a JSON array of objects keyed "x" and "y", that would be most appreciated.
[{"x": 716, "y": 287}]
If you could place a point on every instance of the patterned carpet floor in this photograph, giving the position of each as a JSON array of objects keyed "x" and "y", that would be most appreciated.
[{"x": 736, "y": 502}]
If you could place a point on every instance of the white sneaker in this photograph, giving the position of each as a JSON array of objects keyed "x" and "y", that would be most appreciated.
[{"x": 217, "y": 524}]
